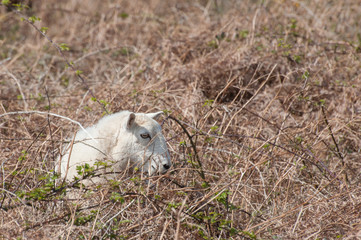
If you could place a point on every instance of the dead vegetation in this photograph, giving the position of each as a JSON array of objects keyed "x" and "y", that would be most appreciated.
[{"x": 264, "y": 107}]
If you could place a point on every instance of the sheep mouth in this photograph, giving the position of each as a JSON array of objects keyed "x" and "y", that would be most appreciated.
[{"x": 158, "y": 170}]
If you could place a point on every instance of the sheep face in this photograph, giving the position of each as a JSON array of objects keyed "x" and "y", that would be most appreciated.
[{"x": 144, "y": 143}]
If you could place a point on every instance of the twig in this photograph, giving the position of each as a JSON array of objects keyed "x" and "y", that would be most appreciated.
[
  {"x": 49, "y": 125},
  {"x": 68, "y": 161},
  {"x": 20, "y": 90},
  {"x": 13, "y": 194},
  {"x": 179, "y": 218},
  {"x": 117, "y": 214},
  {"x": 51, "y": 114},
  {"x": 5, "y": 60}
]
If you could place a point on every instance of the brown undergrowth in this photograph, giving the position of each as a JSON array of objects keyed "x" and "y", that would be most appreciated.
[{"x": 263, "y": 117}]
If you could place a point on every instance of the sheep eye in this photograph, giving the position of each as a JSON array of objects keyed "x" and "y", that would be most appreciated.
[{"x": 145, "y": 135}]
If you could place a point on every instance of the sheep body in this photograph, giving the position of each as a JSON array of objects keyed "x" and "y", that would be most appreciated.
[{"x": 114, "y": 142}]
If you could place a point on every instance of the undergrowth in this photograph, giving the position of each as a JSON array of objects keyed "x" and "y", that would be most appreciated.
[{"x": 263, "y": 117}]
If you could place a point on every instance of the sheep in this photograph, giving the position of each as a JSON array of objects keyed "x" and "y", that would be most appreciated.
[{"x": 122, "y": 138}]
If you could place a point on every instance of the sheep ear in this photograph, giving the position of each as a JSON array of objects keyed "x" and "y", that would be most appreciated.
[
  {"x": 155, "y": 116},
  {"x": 131, "y": 120}
]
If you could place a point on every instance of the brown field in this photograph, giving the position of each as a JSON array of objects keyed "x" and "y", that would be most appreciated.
[{"x": 263, "y": 117}]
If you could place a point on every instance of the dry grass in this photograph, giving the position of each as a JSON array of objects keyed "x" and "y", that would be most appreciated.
[{"x": 264, "y": 127}]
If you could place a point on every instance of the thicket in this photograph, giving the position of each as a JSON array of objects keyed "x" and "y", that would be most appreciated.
[{"x": 263, "y": 117}]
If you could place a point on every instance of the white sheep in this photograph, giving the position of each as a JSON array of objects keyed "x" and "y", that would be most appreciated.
[{"x": 116, "y": 141}]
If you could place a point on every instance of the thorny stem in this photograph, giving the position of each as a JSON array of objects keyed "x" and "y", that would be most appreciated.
[
  {"x": 331, "y": 133},
  {"x": 200, "y": 168},
  {"x": 334, "y": 141}
]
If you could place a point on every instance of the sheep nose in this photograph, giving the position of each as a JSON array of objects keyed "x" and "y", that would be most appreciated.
[{"x": 166, "y": 166}]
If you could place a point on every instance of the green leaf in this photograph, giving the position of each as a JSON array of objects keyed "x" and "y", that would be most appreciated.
[
  {"x": 44, "y": 29},
  {"x": 208, "y": 102},
  {"x": 117, "y": 197},
  {"x": 213, "y": 44},
  {"x": 33, "y": 19},
  {"x": 5, "y": 2},
  {"x": 266, "y": 146},
  {"x": 105, "y": 103},
  {"x": 305, "y": 75},
  {"x": 214, "y": 128},
  {"x": 293, "y": 23},
  {"x": 19, "y": 6},
  {"x": 124, "y": 15},
  {"x": 78, "y": 72},
  {"x": 64, "y": 47},
  {"x": 243, "y": 34},
  {"x": 221, "y": 36},
  {"x": 22, "y": 156},
  {"x": 167, "y": 112}
]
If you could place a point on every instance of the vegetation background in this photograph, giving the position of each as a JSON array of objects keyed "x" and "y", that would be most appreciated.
[{"x": 263, "y": 117}]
